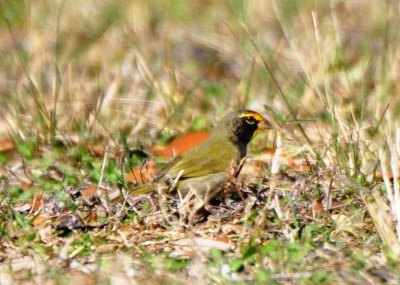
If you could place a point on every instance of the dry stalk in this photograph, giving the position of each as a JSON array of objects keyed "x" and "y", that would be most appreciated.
[{"x": 379, "y": 211}]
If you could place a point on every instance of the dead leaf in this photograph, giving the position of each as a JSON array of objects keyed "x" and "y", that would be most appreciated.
[
  {"x": 181, "y": 144},
  {"x": 317, "y": 208},
  {"x": 97, "y": 150},
  {"x": 298, "y": 164},
  {"x": 380, "y": 174},
  {"x": 72, "y": 222},
  {"x": 23, "y": 208},
  {"x": 25, "y": 185},
  {"x": 89, "y": 192},
  {"x": 388, "y": 174},
  {"x": 36, "y": 202},
  {"x": 6, "y": 145},
  {"x": 144, "y": 173},
  {"x": 204, "y": 243},
  {"x": 41, "y": 220},
  {"x": 69, "y": 222},
  {"x": 32, "y": 205},
  {"x": 223, "y": 239}
]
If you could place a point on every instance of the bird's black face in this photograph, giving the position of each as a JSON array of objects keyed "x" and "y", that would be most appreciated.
[{"x": 245, "y": 125}]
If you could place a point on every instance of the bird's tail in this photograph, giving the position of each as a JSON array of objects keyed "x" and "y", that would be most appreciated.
[{"x": 134, "y": 192}]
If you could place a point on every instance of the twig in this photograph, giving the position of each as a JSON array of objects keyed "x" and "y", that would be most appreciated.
[{"x": 103, "y": 198}]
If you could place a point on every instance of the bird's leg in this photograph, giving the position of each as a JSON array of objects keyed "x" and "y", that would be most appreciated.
[
  {"x": 238, "y": 167},
  {"x": 233, "y": 173}
]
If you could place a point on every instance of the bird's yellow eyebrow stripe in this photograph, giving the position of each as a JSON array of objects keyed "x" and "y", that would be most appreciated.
[{"x": 255, "y": 115}]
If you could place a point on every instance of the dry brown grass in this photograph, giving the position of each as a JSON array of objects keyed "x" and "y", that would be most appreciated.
[{"x": 83, "y": 72}]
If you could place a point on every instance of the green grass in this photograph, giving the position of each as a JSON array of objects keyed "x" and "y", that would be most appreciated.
[{"x": 131, "y": 74}]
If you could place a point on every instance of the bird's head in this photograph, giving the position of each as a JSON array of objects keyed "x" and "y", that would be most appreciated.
[{"x": 240, "y": 126}]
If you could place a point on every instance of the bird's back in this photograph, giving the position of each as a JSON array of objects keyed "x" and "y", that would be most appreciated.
[{"x": 212, "y": 156}]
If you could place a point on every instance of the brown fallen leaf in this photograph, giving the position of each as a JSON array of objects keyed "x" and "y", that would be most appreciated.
[
  {"x": 298, "y": 164},
  {"x": 6, "y": 145},
  {"x": 144, "y": 173},
  {"x": 36, "y": 202},
  {"x": 41, "y": 220},
  {"x": 181, "y": 144},
  {"x": 317, "y": 208},
  {"x": 223, "y": 239},
  {"x": 89, "y": 192},
  {"x": 25, "y": 185},
  {"x": 387, "y": 174},
  {"x": 32, "y": 205},
  {"x": 97, "y": 150},
  {"x": 71, "y": 221},
  {"x": 204, "y": 244},
  {"x": 23, "y": 208}
]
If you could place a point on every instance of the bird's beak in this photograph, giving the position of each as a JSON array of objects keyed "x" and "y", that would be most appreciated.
[{"x": 264, "y": 125}]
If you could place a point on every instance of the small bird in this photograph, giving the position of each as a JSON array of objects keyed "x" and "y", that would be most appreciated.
[{"x": 204, "y": 169}]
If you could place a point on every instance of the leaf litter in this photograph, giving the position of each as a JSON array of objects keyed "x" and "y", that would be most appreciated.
[{"x": 76, "y": 232}]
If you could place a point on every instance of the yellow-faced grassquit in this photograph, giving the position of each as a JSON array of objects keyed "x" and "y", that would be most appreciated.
[{"x": 203, "y": 170}]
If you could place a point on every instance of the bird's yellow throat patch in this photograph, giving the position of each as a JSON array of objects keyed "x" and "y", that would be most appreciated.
[{"x": 254, "y": 115}]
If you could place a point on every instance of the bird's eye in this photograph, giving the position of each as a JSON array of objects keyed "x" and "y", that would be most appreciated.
[
  {"x": 251, "y": 118},
  {"x": 250, "y": 121}
]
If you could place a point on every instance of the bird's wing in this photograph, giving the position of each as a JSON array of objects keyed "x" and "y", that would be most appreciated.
[{"x": 206, "y": 159}]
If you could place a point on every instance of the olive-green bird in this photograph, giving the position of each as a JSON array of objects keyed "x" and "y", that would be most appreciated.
[{"x": 203, "y": 170}]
